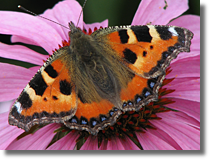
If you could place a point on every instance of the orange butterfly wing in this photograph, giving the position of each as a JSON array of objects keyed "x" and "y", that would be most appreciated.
[
  {"x": 49, "y": 97},
  {"x": 148, "y": 50}
]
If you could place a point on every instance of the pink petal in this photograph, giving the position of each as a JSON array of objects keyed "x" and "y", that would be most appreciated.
[
  {"x": 13, "y": 79},
  {"x": 191, "y": 108},
  {"x": 13, "y": 71},
  {"x": 23, "y": 39},
  {"x": 37, "y": 141},
  {"x": 115, "y": 144},
  {"x": 187, "y": 67},
  {"x": 186, "y": 136},
  {"x": 129, "y": 144},
  {"x": 8, "y": 133},
  {"x": 150, "y": 11},
  {"x": 21, "y": 53},
  {"x": 184, "y": 55},
  {"x": 163, "y": 136},
  {"x": 96, "y": 25},
  {"x": 68, "y": 142},
  {"x": 185, "y": 88},
  {"x": 32, "y": 28},
  {"x": 180, "y": 117},
  {"x": 103, "y": 145},
  {"x": 64, "y": 12},
  {"x": 150, "y": 141},
  {"x": 91, "y": 143},
  {"x": 5, "y": 106},
  {"x": 121, "y": 144},
  {"x": 35, "y": 69}
]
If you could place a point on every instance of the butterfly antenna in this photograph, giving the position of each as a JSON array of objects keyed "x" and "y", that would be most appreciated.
[
  {"x": 81, "y": 12},
  {"x": 24, "y": 9}
]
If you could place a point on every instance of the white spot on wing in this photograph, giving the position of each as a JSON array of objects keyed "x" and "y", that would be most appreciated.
[
  {"x": 18, "y": 107},
  {"x": 173, "y": 31},
  {"x": 132, "y": 38},
  {"x": 153, "y": 32}
]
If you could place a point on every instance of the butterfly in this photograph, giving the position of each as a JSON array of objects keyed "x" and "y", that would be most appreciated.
[{"x": 89, "y": 84}]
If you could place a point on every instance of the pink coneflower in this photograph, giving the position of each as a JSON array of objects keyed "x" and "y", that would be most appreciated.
[{"x": 171, "y": 123}]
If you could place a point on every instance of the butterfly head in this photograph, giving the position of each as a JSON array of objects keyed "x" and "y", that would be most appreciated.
[
  {"x": 78, "y": 39},
  {"x": 74, "y": 30}
]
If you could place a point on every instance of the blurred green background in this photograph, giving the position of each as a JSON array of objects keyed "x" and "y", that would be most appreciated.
[{"x": 118, "y": 12}]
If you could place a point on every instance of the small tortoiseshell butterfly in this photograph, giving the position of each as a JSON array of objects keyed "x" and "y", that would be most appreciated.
[{"x": 89, "y": 84}]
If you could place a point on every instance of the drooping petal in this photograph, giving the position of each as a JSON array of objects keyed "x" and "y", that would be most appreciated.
[
  {"x": 90, "y": 144},
  {"x": 8, "y": 133},
  {"x": 37, "y": 141},
  {"x": 186, "y": 136},
  {"x": 129, "y": 144},
  {"x": 13, "y": 79},
  {"x": 68, "y": 142},
  {"x": 121, "y": 144},
  {"x": 181, "y": 117},
  {"x": 153, "y": 12},
  {"x": 185, "y": 88},
  {"x": 191, "y": 108},
  {"x": 103, "y": 145},
  {"x": 33, "y": 29},
  {"x": 21, "y": 53},
  {"x": 163, "y": 137},
  {"x": 150, "y": 141}
]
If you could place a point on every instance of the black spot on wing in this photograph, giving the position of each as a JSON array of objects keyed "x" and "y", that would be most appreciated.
[
  {"x": 93, "y": 122},
  {"x": 146, "y": 92},
  {"x": 25, "y": 100},
  {"x": 142, "y": 33},
  {"x": 65, "y": 87},
  {"x": 44, "y": 114},
  {"x": 164, "y": 33},
  {"x": 144, "y": 53},
  {"x": 54, "y": 115},
  {"x": 35, "y": 115},
  {"x": 102, "y": 118},
  {"x": 51, "y": 72},
  {"x": 83, "y": 120},
  {"x": 123, "y": 35},
  {"x": 55, "y": 98},
  {"x": 129, "y": 56},
  {"x": 74, "y": 120},
  {"x": 38, "y": 84}
]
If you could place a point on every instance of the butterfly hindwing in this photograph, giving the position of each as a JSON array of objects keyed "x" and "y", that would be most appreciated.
[
  {"x": 93, "y": 117},
  {"x": 49, "y": 97},
  {"x": 140, "y": 91}
]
